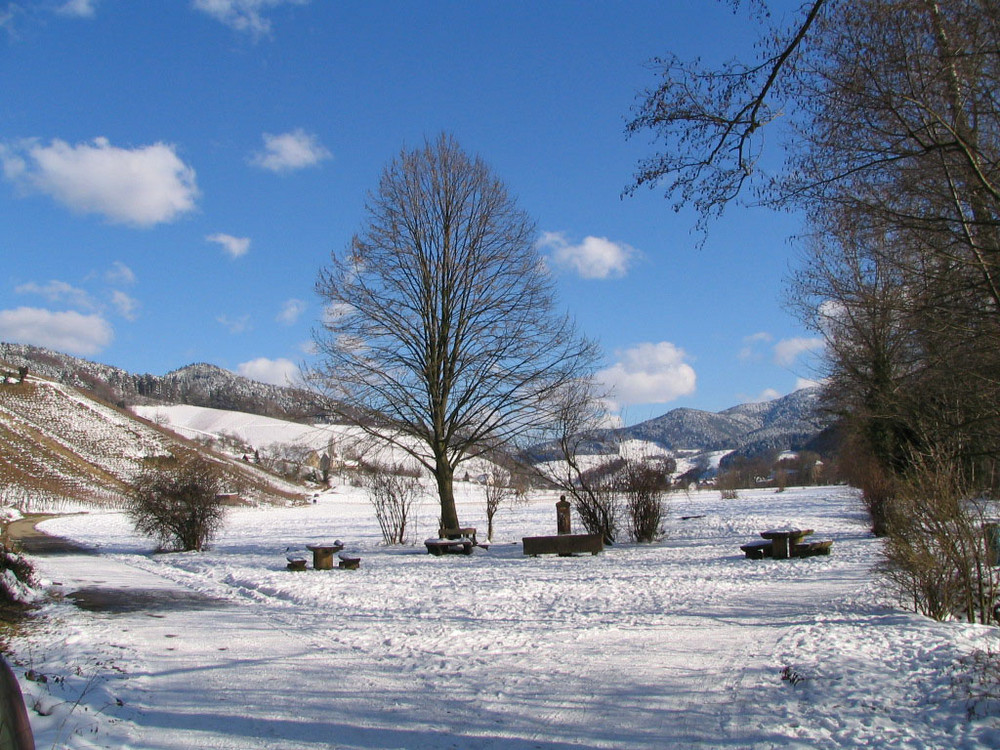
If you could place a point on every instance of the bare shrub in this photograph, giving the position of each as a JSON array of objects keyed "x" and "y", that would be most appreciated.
[
  {"x": 876, "y": 482},
  {"x": 498, "y": 492},
  {"x": 979, "y": 675},
  {"x": 936, "y": 553},
  {"x": 597, "y": 502},
  {"x": 644, "y": 486},
  {"x": 179, "y": 506},
  {"x": 392, "y": 492}
]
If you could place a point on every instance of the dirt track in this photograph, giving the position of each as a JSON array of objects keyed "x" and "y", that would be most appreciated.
[
  {"x": 100, "y": 598},
  {"x": 35, "y": 542}
]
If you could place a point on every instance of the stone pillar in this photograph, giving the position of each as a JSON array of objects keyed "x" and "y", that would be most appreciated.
[{"x": 564, "y": 523}]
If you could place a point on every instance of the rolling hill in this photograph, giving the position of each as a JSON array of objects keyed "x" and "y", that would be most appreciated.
[
  {"x": 66, "y": 432},
  {"x": 786, "y": 423},
  {"x": 58, "y": 443},
  {"x": 196, "y": 384}
]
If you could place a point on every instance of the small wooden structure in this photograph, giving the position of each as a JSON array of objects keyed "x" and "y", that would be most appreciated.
[
  {"x": 296, "y": 562},
  {"x": 757, "y": 550},
  {"x": 564, "y": 545},
  {"x": 808, "y": 549},
  {"x": 783, "y": 541},
  {"x": 438, "y": 547},
  {"x": 323, "y": 554},
  {"x": 564, "y": 516},
  {"x": 348, "y": 561},
  {"x": 465, "y": 532},
  {"x": 782, "y": 544}
]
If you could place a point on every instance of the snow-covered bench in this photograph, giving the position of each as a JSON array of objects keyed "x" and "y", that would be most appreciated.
[
  {"x": 757, "y": 550},
  {"x": 563, "y": 544},
  {"x": 349, "y": 561},
  {"x": 465, "y": 532},
  {"x": 461, "y": 546},
  {"x": 296, "y": 562},
  {"x": 808, "y": 549}
]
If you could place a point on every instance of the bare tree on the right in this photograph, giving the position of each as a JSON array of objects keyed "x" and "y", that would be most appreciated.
[{"x": 891, "y": 127}]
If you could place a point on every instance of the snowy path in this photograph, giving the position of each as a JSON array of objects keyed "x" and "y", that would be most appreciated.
[
  {"x": 429, "y": 684},
  {"x": 676, "y": 645}
]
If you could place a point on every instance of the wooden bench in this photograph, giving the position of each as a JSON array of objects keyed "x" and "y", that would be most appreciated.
[
  {"x": 757, "y": 550},
  {"x": 296, "y": 562},
  {"x": 349, "y": 561},
  {"x": 563, "y": 545},
  {"x": 809, "y": 549},
  {"x": 466, "y": 532},
  {"x": 440, "y": 547}
]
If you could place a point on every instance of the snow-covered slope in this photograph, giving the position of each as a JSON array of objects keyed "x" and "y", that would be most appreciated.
[
  {"x": 197, "y": 384},
  {"x": 342, "y": 443},
  {"x": 58, "y": 444}
]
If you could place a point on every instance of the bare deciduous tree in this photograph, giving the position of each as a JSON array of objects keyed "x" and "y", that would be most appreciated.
[
  {"x": 441, "y": 335},
  {"x": 710, "y": 122},
  {"x": 893, "y": 154}
]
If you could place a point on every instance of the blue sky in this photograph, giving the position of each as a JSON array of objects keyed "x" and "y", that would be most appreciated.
[{"x": 175, "y": 172}]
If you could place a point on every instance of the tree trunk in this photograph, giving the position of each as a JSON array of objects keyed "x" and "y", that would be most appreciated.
[{"x": 444, "y": 474}]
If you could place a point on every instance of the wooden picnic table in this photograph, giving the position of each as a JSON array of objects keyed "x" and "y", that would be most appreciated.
[
  {"x": 323, "y": 554},
  {"x": 783, "y": 541}
]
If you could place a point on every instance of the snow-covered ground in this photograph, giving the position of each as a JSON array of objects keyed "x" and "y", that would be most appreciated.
[{"x": 680, "y": 644}]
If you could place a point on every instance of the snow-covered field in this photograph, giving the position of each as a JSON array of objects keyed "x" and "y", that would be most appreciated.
[{"x": 681, "y": 644}]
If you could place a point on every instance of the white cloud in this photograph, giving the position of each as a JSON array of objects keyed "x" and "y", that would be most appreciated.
[
  {"x": 142, "y": 186},
  {"x": 58, "y": 292},
  {"x": 275, "y": 371},
  {"x": 119, "y": 273},
  {"x": 126, "y": 306},
  {"x": 291, "y": 311},
  {"x": 70, "y": 332},
  {"x": 801, "y": 383},
  {"x": 594, "y": 258},
  {"x": 650, "y": 374},
  {"x": 750, "y": 352},
  {"x": 235, "y": 325},
  {"x": 243, "y": 15},
  {"x": 768, "y": 394},
  {"x": 290, "y": 151},
  {"x": 787, "y": 351},
  {"x": 77, "y": 8},
  {"x": 236, "y": 247}
]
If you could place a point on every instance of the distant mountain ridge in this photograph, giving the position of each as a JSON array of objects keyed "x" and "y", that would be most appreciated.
[
  {"x": 790, "y": 423},
  {"x": 196, "y": 385},
  {"x": 786, "y": 423}
]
